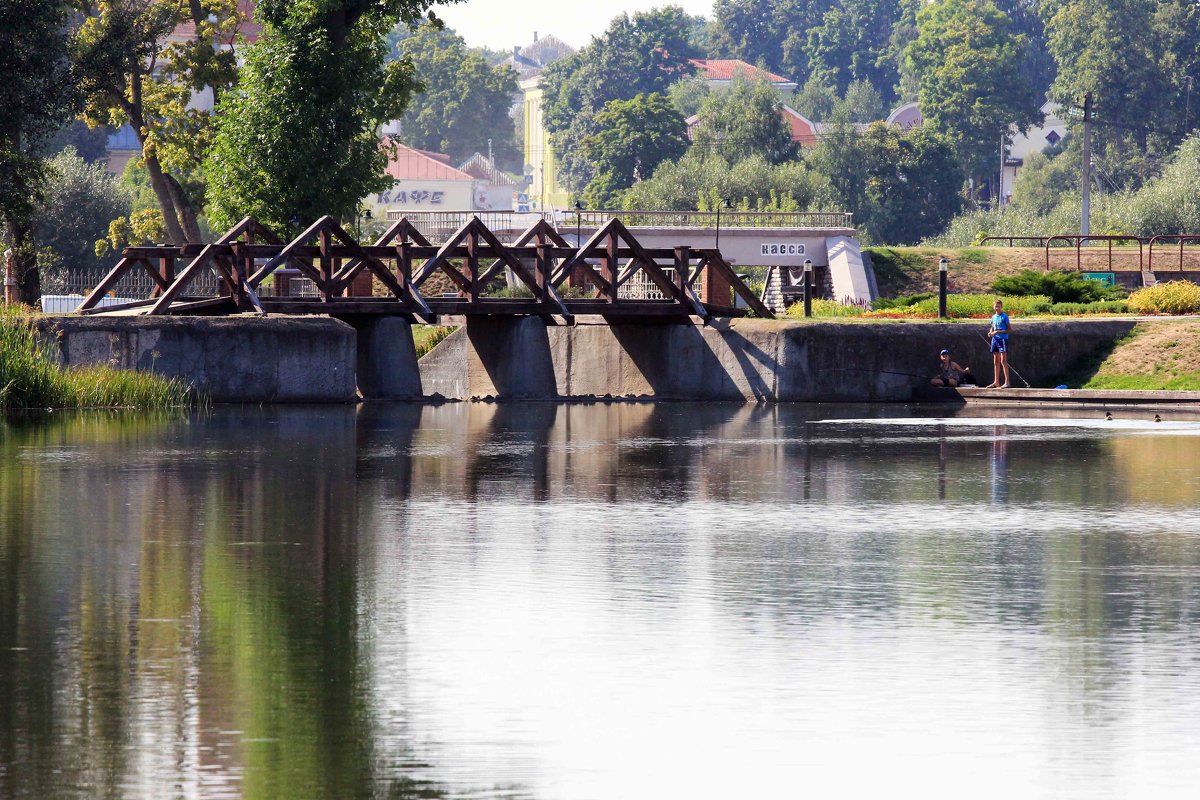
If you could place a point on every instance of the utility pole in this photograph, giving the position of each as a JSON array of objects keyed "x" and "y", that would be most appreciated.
[
  {"x": 1085, "y": 223},
  {"x": 1187, "y": 108},
  {"x": 1000, "y": 193}
]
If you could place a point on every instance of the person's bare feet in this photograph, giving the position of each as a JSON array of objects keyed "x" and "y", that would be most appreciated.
[
  {"x": 991, "y": 386},
  {"x": 1002, "y": 386}
]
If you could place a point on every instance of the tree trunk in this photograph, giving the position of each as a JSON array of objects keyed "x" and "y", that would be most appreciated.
[
  {"x": 185, "y": 209},
  {"x": 25, "y": 270},
  {"x": 162, "y": 191}
]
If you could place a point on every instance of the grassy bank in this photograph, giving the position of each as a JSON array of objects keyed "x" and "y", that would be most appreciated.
[
  {"x": 1155, "y": 355},
  {"x": 427, "y": 337},
  {"x": 911, "y": 270},
  {"x": 30, "y": 377}
]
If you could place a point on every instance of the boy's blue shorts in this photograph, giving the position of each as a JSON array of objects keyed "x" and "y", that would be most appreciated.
[{"x": 999, "y": 345}]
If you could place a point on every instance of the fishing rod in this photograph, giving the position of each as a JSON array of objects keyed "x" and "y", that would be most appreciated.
[{"x": 1010, "y": 366}]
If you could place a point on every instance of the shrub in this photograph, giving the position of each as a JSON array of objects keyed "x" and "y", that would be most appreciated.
[
  {"x": 980, "y": 305},
  {"x": 1173, "y": 297},
  {"x": 1061, "y": 287},
  {"x": 825, "y": 308},
  {"x": 1098, "y": 307}
]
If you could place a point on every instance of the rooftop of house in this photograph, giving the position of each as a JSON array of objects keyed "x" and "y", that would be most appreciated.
[
  {"x": 408, "y": 164},
  {"x": 479, "y": 167},
  {"x": 530, "y": 60},
  {"x": 726, "y": 69}
]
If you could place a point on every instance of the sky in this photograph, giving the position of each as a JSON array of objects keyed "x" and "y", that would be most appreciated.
[{"x": 500, "y": 24}]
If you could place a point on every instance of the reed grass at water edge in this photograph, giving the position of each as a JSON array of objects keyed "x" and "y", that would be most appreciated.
[{"x": 31, "y": 377}]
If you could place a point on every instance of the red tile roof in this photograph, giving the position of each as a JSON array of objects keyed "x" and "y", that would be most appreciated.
[
  {"x": 409, "y": 164},
  {"x": 727, "y": 69},
  {"x": 803, "y": 130}
]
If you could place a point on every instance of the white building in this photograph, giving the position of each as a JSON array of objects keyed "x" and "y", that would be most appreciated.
[{"x": 1023, "y": 145}]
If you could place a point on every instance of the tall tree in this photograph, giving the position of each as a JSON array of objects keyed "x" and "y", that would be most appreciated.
[
  {"x": 743, "y": 121},
  {"x": 36, "y": 97},
  {"x": 971, "y": 89},
  {"x": 297, "y": 140},
  {"x": 853, "y": 42},
  {"x": 1135, "y": 57},
  {"x": 643, "y": 54},
  {"x": 129, "y": 77},
  {"x": 632, "y": 138},
  {"x": 768, "y": 33},
  {"x": 901, "y": 186},
  {"x": 464, "y": 102}
]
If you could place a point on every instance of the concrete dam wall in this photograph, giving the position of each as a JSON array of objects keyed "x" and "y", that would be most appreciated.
[
  {"x": 241, "y": 359},
  {"x": 247, "y": 359},
  {"x": 739, "y": 359}
]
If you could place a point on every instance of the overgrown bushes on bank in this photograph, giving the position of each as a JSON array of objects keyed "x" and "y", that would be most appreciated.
[
  {"x": 958, "y": 306},
  {"x": 1172, "y": 297},
  {"x": 31, "y": 378}
]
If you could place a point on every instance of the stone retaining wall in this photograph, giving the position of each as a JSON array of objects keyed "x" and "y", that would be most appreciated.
[{"x": 242, "y": 359}]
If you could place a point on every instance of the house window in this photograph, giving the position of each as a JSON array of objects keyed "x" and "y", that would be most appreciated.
[{"x": 1053, "y": 138}]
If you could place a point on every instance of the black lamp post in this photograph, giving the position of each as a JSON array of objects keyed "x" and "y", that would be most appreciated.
[
  {"x": 943, "y": 274},
  {"x": 578, "y": 224},
  {"x": 367, "y": 215},
  {"x": 808, "y": 287},
  {"x": 726, "y": 205}
]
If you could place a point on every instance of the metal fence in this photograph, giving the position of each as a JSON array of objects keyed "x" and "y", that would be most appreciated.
[
  {"x": 708, "y": 219},
  {"x": 437, "y": 226}
]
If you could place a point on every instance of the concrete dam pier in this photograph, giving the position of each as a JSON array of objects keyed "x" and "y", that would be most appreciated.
[
  {"x": 321, "y": 360},
  {"x": 739, "y": 359}
]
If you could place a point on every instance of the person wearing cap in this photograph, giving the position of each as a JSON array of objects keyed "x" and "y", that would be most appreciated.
[{"x": 951, "y": 374}]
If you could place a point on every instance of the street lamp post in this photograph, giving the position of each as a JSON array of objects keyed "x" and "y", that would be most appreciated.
[
  {"x": 943, "y": 275},
  {"x": 808, "y": 287},
  {"x": 726, "y": 205},
  {"x": 578, "y": 224}
]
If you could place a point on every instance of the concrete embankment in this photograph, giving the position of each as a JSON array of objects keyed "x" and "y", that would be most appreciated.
[
  {"x": 318, "y": 359},
  {"x": 739, "y": 359},
  {"x": 228, "y": 359}
]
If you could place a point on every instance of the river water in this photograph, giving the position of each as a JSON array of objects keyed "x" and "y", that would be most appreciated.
[{"x": 598, "y": 601}]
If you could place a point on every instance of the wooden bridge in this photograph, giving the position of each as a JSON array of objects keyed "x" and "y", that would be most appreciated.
[{"x": 539, "y": 273}]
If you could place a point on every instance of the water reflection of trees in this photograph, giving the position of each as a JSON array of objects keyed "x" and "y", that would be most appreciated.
[
  {"x": 185, "y": 604},
  {"x": 209, "y": 587}
]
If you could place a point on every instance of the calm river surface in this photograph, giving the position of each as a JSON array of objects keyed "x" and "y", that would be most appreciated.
[{"x": 591, "y": 601}]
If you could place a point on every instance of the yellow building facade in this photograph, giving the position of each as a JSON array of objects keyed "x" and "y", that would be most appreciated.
[{"x": 545, "y": 193}]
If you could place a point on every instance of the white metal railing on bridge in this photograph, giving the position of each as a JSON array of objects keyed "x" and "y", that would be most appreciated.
[
  {"x": 708, "y": 219},
  {"x": 437, "y": 226}
]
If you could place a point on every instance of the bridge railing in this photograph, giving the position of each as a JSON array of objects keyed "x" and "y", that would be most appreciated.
[
  {"x": 708, "y": 219},
  {"x": 439, "y": 225}
]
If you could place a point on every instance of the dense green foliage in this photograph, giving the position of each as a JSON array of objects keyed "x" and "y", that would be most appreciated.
[
  {"x": 463, "y": 102},
  {"x": 37, "y": 96},
  {"x": 753, "y": 184},
  {"x": 902, "y": 186},
  {"x": 632, "y": 138},
  {"x": 30, "y": 377},
  {"x": 971, "y": 90},
  {"x": 81, "y": 200},
  {"x": 1061, "y": 287},
  {"x": 298, "y": 139},
  {"x": 643, "y": 54},
  {"x": 744, "y": 120}
]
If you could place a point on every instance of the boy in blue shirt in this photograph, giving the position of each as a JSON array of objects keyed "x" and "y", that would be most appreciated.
[{"x": 999, "y": 348}]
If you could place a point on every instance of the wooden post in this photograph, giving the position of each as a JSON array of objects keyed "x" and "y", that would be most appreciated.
[
  {"x": 610, "y": 268},
  {"x": 473, "y": 266},
  {"x": 325, "y": 241},
  {"x": 166, "y": 271}
]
